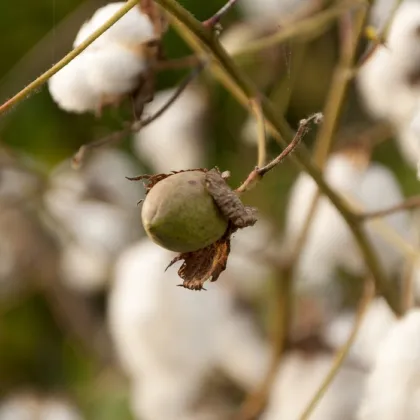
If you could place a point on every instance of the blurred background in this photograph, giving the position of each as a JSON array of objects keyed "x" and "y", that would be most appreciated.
[{"x": 91, "y": 327}]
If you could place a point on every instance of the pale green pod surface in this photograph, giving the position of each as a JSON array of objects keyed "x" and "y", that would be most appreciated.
[{"x": 180, "y": 215}]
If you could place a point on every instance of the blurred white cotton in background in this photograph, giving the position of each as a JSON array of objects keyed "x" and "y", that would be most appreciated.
[
  {"x": 388, "y": 80},
  {"x": 393, "y": 387},
  {"x": 175, "y": 140},
  {"x": 98, "y": 216},
  {"x": 376, "y": 323},
  {"x": 298, "y": 379},
  {"x": 170, "y": 339},
  {"x": 31, "y": 407},
  {"x": 109, "y": 68},
  {"x": 329, "y": 242}
]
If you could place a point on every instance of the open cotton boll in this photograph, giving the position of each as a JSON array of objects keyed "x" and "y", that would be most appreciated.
[
  {"x": 393, "y": 387},
  {"x": 134, "y": 28},
  {"x": 167, "y": 335},
  {"x": 376, "y": 323},
  {"x": 70, "y": 88},
  {"x": 299, "y": 377},
  {"x": 114, "y": 71},
  {"x": 330, "y": 243},
  {"x": 174, "y": 141}
]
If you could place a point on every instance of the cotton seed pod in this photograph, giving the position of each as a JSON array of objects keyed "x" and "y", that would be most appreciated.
[{"x": 179, "y": 213}]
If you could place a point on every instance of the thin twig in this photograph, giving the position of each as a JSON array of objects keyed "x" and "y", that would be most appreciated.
[
  {"x": 342, "y": 353},
  {"x": 37, "y": 83},
  {"x": 215, "y": 19},
  {"x": 261, "y": 135},
  {"x": 258, "y": 173},
  {"x": 409, "y": 204},
  {"x": 78, "y": 158}
]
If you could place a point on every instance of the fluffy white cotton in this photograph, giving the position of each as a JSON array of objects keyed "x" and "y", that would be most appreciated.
[
  {"x": 330, "y": 243},
  {"x": 376, "y": 323},
  {"x": 393, "y": 387},
  {"x": 299, "y": 377},
  {"x": 175, "y": 140},
  {"x": 169, "y": 339},
  {"x": 70, "y": 89},
  {"x": 384, "y": 81},
  {"x": 109, "y": 68}
]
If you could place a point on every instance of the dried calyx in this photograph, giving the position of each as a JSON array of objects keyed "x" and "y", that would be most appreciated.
[{"x": 194, "y": 212}]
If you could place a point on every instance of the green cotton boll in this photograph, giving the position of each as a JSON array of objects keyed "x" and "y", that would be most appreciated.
[{"x": 179, "y": 214}]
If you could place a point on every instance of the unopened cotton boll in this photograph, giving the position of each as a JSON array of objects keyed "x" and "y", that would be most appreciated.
[
  {"x": 169, "y": 339},
  {"x": 110, "y": 67},
  {"x": 376, "y": 323},
  {"x": 174, "y": 141},
  {"x": 393, "y": 387},
  {"x": 298, "y": 379},
  {"x": 329, "y": 242}
]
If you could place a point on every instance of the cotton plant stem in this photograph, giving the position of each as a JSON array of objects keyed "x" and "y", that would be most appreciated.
[
  {"x": 37, "y": 83},
  {"x": 341, "y": 355},
  {"x": 192, "y": 30}
]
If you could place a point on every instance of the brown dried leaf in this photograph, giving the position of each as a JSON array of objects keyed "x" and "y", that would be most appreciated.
[
  {"x": 228, "y": 202},
  {"x": 205, "y": 264}
]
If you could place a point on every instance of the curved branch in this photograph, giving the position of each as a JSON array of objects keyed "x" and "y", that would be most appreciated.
[{"x": 196, "y": 34}]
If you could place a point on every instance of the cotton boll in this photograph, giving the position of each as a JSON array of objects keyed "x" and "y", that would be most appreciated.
[
  {"x": 115, "y": 71},
  {"x": 299, "y": 377},
  {"x": 174, "y": 140},
  {"x": 377, "y": 321},
  {"x": 134, "y": 28},
  {"x": 70, "y": 88},
  {"x": 393, "y": 387}
]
